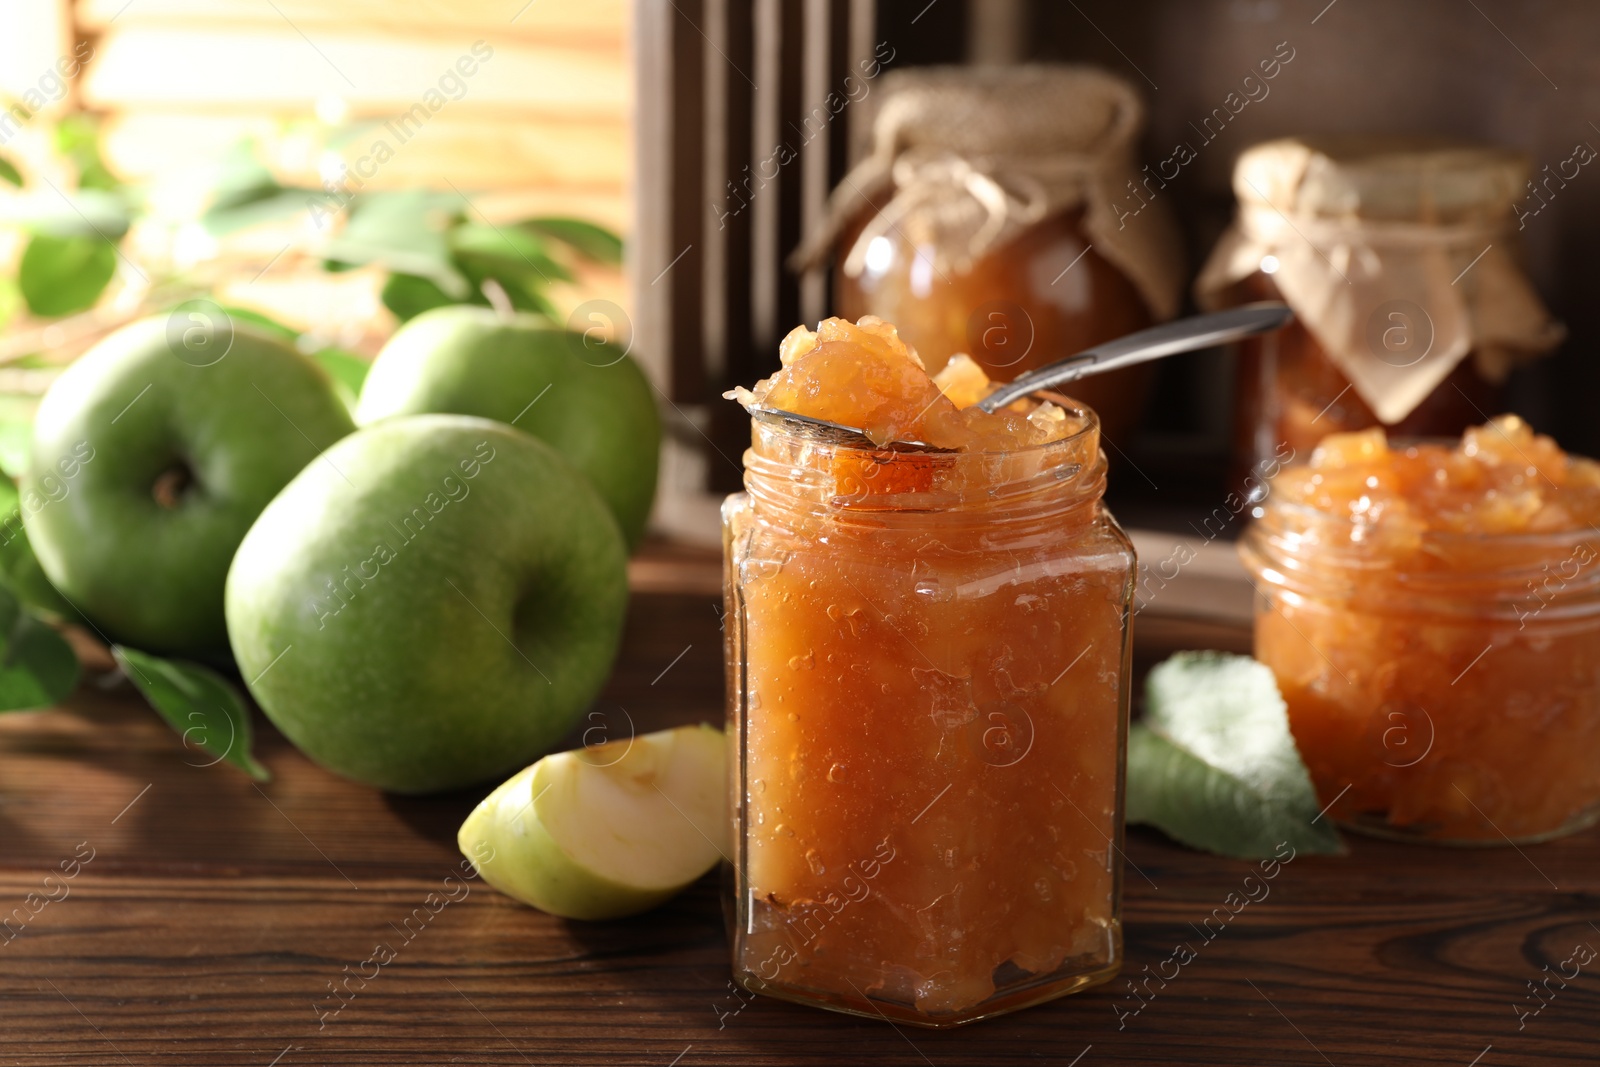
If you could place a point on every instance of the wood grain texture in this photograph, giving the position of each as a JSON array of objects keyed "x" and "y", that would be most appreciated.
[{"x": 214, "y": 915}]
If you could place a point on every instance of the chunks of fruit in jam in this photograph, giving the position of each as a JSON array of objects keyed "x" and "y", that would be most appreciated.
[
  {"x": 1501, "y": 478},
  {"x": 863, "y": 376}
]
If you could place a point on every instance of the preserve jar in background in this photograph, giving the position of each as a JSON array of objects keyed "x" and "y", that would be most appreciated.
[
  {"x": 927, "y": 658},
  {"x": 1001, "y": 213},
  {"x": 1402, "y": 264},
  {"x": 1432, "y": 615}
]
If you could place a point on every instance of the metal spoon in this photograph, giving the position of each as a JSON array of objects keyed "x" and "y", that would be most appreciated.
[{"x": 1170, "y": 338}]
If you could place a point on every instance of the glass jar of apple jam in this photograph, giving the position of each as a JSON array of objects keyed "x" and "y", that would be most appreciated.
[
  {"x": 1401, "y": 259},
  {"x": 927, "y": 656},
  {"x": 1432, "y": 614},
  {"x": 1002, "y": 213}
]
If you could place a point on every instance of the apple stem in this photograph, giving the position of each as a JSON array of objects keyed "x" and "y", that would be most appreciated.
[{"x": 498, "y": 299}]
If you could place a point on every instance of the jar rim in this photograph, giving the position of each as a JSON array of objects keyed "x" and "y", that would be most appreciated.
[
  {"x": 784, "y": 464},
  {"x": 1442, "y": 538},
  {"x": 1089, "y": 417},
  {"x": 1506, "y": 577}
]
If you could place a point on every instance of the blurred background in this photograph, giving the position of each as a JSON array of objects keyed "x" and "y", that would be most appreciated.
[{"x": 161, "y": 148}]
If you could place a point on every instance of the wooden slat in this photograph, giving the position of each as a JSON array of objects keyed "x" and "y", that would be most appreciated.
[
  {"x": 729, "y": 98},
  {"x": 595, "y": 24},
  {"x": 276, "y": 69},
  {"x": 684, "y": 274},
  {"x": 790, "y": 185},
  {"x": 584, "y": 157}
]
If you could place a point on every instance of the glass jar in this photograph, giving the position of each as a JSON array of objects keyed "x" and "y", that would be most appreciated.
[
  {"x": 1455, "y": 698},
  {"x": 1002, "y": 213},
  {"x": 1291, "y": 393},
  {"x": 927, "y": 661},
  {"x": 1401, "y": 261},
  {"x": 1015, "y": 308}
]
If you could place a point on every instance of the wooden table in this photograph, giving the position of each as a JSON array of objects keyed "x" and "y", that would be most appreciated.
[{"x": 214, "y": 916}]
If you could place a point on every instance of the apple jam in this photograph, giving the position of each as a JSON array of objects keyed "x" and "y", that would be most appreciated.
[
  {"x": 1432, "y": 614},
  {"x": 927, "y": 659}
]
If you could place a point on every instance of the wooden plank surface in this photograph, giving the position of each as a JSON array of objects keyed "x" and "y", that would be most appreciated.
[{"x": 213, "y": 916}]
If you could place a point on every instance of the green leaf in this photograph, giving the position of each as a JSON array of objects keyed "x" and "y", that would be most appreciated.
[
  {"x": 197, "y": 702},
  {"x": 61, "y": 275},
  {"x": 348, "y": 369},
  {"x": 266, "y": 323},
  {"x": 409, "y": 296},
  {"x": 16, "y": 433},
  {"x": 513, "y": 259},
  {"x": 525, "y": 298},
  {"x": 38, "y": 669},
  {"x": 587, "y": 239},
  {"x": 10, "y": 173},
  {"x": 85, "y": 213},
  {"x": 504, "y": 253},
  {"x": 19, "y": 567},
  {"x": 404, "y": 232},
  {"x": 10, "y": 300},
  {"x": 77, "y": 137},
  {"x": 1214, "y": 764},
  {"x": 246, "y": 193},
  {"x": 270, "y": 205}
]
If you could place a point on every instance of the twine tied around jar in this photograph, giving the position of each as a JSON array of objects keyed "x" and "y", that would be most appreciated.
[
  {"x": 968, "y": 158},
  {"x": 963, "y": 199},
  {"x": 1397, "y": 256}
]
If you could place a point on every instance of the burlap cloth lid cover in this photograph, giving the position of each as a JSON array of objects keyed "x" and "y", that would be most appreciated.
[
  {"x": 1383, "y": 239},
  {"x": 973, "y": 155}
]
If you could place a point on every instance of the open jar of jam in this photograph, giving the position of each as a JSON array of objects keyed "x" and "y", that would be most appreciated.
[
  {"x": 1432, "y": 614},
  {"x": 927, "y": 656},
  {"x": 1400, "y": 260},
  {"x": 1002, "y": 214}
]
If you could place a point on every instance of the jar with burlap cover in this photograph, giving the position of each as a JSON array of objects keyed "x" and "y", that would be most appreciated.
[
  {"x": 1399, "y": 256},
  {"x": 986, "y": 221},
  {"x": 974, "y": 155}
]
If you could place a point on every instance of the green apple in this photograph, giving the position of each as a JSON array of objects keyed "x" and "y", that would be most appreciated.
[
  {"x": 608, "y": 831},
  {"x": 152, "y": 454},
  {"x": 586, "y": 399},
  {"x": 432, "y": 606}
]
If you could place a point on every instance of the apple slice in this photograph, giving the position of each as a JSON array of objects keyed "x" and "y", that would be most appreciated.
[{"x": 608, "y": 831}]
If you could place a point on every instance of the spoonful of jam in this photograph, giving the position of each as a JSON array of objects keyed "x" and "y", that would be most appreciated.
[{"x": 858, "y": 385}]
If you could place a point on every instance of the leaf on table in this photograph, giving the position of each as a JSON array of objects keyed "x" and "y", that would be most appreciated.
[
  {"x": 38, "y": 669},
  {"x": 587, "y": 239},
  {"x": 1214, "y": 765},
  {"x": 10, "y": 173},
  {"x": 61, "y": 275},
  {"x": 197, "y": 702}
]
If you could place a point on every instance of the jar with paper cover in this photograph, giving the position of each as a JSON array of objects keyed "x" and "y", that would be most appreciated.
[
  {"x": 1400, "y": 259},
  {"x": 985, "y": 221}
]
